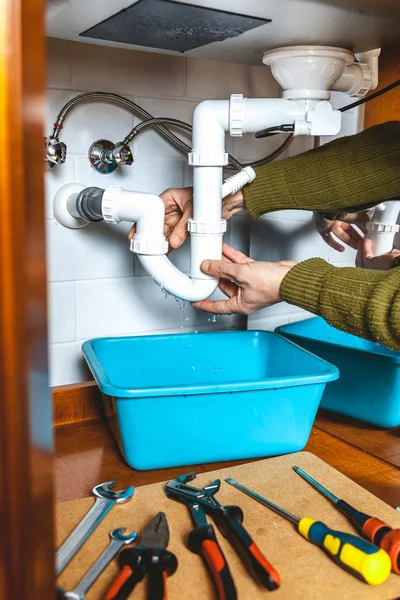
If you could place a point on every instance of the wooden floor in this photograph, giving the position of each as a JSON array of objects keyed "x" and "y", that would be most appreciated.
[{"x": 86, "y": 453}]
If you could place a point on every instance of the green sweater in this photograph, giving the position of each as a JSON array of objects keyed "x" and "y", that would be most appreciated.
[{"x": 348, "y": 174}]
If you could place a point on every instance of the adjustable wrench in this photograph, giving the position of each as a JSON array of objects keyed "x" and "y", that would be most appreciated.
[
  {"x": 117, "y": 541},
  {"x": 105, "y": 500}
]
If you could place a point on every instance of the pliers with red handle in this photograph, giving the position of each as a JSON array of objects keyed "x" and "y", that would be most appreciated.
[
  {"x": 150, "y": 557},
  {"x": 229, "y": 521}
]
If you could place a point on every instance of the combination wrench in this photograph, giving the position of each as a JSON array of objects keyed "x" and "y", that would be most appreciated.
[
  {"x": 105, "y": 500},
  {"x": 117, "y": 541}
]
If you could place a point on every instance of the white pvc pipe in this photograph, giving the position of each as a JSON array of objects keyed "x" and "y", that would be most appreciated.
[
  {"x": 387, "y": 212},
  {"x": 207, "y": 194},
  {"x": 261, "y": 113},
  {"x": 382, "y": 242},
  {"x": 383, "y": 227},
  {"x": 210, "y": 122},
  {"x": 173, "y": 281}
]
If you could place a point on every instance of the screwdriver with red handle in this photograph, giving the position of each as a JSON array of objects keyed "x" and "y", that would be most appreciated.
[{"x": 371, "y": 528}]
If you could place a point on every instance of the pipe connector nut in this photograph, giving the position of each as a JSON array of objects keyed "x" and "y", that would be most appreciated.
[
  {"x": 108, "y": 210},
  {"x": 148, "y": 246},
  {"x": 382, "y": 227},
  {"x": 236, "y": 115},
  {"x": 202, "y": 228},
  {"x": 208, "y": 159}
]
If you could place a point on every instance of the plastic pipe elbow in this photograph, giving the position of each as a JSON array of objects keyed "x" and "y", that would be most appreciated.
[
  {"x": 210, "y": 121},
  {"x": 173, "y": 281}
]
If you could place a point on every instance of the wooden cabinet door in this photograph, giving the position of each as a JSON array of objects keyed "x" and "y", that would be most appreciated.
[
  {"x": 26, "y": 512},
  {"x": 386, "y": 107}
]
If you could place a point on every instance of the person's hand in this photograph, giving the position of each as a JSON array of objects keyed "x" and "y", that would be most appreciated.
[
  {"x": 366, "y": 258},
  {"x": 332, "y": 231},
  {"x": 179, "y": 209},
  {"x": 250, "y": 285}
]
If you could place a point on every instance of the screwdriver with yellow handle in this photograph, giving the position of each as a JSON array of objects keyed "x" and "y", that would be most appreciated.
[
  {"x": 355, "y": 555},
  {"x": 371, "y": 528}
]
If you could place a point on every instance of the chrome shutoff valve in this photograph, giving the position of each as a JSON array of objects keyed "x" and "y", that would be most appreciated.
[
  {"x": 105, "y": 156},
  {"x": 56, "y": 152},
  {"x": 122, "y": 154}
]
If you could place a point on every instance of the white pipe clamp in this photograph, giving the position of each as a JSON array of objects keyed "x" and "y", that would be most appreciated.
[
  {"x": 208, "y": 159},
  {"x": 236, "y": 115},
  {"x": 200, "y": 227}
]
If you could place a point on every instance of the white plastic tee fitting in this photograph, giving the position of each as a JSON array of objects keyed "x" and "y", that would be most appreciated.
[{"x": 383, "y": 228}]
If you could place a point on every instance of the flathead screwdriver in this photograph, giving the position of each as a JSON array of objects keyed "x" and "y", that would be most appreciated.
[
  {"x": 355, "y": 555},
  {"x": 371, "y": 528}
]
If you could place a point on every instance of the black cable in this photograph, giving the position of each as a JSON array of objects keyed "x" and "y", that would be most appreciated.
[
  {"x": 371, "y": 96},
  {"x": 267, "y": 159},
  {"x": 286, "y": 128}
]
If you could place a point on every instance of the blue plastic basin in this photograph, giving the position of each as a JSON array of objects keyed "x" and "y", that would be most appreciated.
[
  {"x": 369, "y": 384},
  {"x": 174, "y": 400}
]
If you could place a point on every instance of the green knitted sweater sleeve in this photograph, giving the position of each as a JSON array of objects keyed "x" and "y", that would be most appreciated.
[
  {"x": 359, "y": 301},
  {"x": 348, "y": 174}
]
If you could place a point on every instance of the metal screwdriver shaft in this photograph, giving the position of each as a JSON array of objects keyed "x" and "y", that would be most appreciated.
[{"x": 355, "y": 555}]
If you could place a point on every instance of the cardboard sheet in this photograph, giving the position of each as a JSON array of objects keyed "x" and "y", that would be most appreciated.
[{"x": 306, "y": 571}]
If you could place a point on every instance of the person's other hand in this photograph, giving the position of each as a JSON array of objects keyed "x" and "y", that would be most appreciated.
[
  {"x": 334, "y": 231},
  {"x": 179, "y": 209},
  {"x": 250, "y": 285},
  {"x": 366, "y": 258}
]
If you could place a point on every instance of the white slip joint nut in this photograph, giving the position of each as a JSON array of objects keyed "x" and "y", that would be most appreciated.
[
  {"x": 108, "y": 210},
  {"x": 383, "y": 227},
  {"x": 200, "y": 227},
  {"x": 236, "y": 115},
  {"x": 150, "y": 247},
  {"x": 208, "y": 159},
  {"x": 366, "y": 82}
]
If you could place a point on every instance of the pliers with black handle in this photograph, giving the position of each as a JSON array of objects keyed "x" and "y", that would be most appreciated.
[
  {"x": 202, "y": 541},
  {"x": 229, "y": 521},
  {"x": 151, "y": 557}
]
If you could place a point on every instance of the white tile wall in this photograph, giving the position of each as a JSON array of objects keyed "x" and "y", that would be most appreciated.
[
  {"x": 62, "y": 310},
  {"x": 96, "y": 287}
]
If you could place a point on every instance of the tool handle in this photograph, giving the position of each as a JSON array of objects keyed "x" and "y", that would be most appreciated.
[
  {"x": 123, "y": 585},
  {"x": 384, "y": 536},
  {"x": 376, "y": 531},
  {"x": 202, "y": 541},
  {"x": 157, "y": 586},
  {"x": 357, "y": 556},
  {"x": 160, "y": 564},
  {"x": 229, "y": 521}
]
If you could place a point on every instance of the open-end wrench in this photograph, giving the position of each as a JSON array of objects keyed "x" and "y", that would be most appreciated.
[
  {"x": 105, "y": 500},
  {"x": 117, "y": 541}
]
